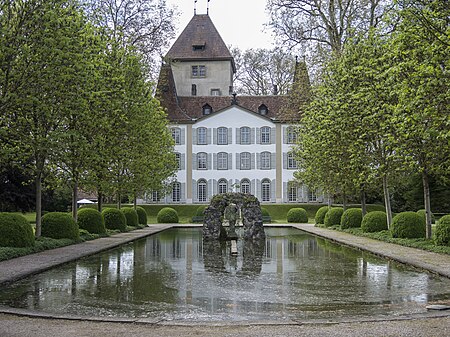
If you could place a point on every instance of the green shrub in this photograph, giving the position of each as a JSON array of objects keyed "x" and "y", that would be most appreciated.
[
  {"x": 442, "y": 231},
  {"x": 333, "y": 217},
  {"x": 59, "y": 225},
  {"x": 374, "y": 222},
  {"x": 298, "y": 215},
  {"x": 320, "y": 215},
  {"x": 131, "y": 215},
  {"x": 200, "y": 210},
  {"x": 264, "y": 211},
  {"x": 91, "y": 220},
  {"x": 15, "y": 231},
  {"x": 423, "y": 214},
  {"x": 167, "y": 215},
  {"x": 142, "y": 215},
  {"x": 351, "y": 218},
  {"x": 408, "y": 225},
  {"x": 115, "y": 219}
]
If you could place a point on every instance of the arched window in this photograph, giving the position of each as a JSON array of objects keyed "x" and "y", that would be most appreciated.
[
  {"x": 245, "y": 186},
  {"x": 176, "y": 135},
  {"x": 201, "y": 190},
  {"x": 265, "y": 160},
  {"x": 265, "y": 135},
  {"x": 263, "y": 109},
  {"x": 265, "y": 190},
  {"x": 176, "y": 192},
  {"x": 207, "y": 109},
  {"x": 201, "y": 136},
  {"x": 222, "y": 136},
  {"x": 292, "y": 163},
  {"x": 202, "y": 161},
  {"x": 291, "y": 135},
  {"x": 222, "y": 161},
  {"x": 245, "y": 135},
  {"x": 223, "y": 186}
]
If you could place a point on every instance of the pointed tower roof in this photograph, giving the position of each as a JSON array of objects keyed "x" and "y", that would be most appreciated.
[{"x": 200, "y": 40}]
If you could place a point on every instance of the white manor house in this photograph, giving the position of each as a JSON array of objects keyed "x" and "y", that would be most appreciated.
[{"x": 223, "y": 142}]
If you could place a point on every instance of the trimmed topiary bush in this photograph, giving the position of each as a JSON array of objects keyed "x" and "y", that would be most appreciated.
[
  {"x": 167, "y": 215},
  {"x": 15, "y": 231},
  {"x": 131, "y": 215},
  {"x": 375, "y": 221},
  {"x": 264, "y": 211},
  {"x": 91, "y": 220},
  {"x": 320, "y": 215},
  {"x": 200, "y": 210},
  {"x": 142, "y": 215},
  {"x": 333, "y": 216},
  {"x": 59, "y": 225},
  {"x": 408, "y": 225},
  {"x": 423, "y": 214},
  {"x": 114, "y": 219},
  {"x": 298, "y": 215},
  {"x": 442, "y": 231},
  {"x": 351, "y": 218}
]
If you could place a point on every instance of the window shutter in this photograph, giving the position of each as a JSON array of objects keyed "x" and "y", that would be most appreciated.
[
  {"x": 194, "y": 136},
  {"x": 209, "y": 190},
  {"x": 183, "y": 161},
  {"x": 273, "y": 161},
  {"x": 238, "y": 161},
  {"x": 253, "y": 187},
  {"x": 285, "y": 191},
  {"x": 272, "y": 190},
  {"x": 209, "y": 159},
  {"x": 215, "y": 161},
  {"x": 252, "y": 161},
  {"x": 258, "y": 189},
  {"x": 183, "y": 136},
  {"x": 273, "y": 135},
  {"x": 258, "y": 161},
  {"x": 252, "y": 136},
  {"x": 215, "y": 136},
  {"x": 208, "y": 136},
  {"x": 194, "y": 190},
  {"x": 194, "y": 161},
  {"x": 230, "y": 135},
  {"x": 285, "y": 160},
  {"x": 258, "y": 135},
  {"x": 230, "y": 183},
  {"x": 230, "y": 161},
  {"x": 214, "y": 186},
  {"x": 285, "y": 132},
  {"x": 238, "y": 136},
  {"x": 183, "y": 192}
]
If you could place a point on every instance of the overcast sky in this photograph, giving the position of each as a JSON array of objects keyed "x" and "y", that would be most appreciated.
[{"x": 239, "y": 22}]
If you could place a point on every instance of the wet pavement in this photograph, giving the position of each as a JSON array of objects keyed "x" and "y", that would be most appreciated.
[{"x": 21, "y": 323}]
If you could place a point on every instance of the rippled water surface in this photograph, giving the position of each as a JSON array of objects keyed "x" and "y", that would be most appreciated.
[{"x": 174, "y": 275}]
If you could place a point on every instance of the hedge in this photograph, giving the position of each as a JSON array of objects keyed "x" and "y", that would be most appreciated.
[
  {"x": 167, "y": 215},
  {"x": 408, "y": 225},
  {"x": 374, "y": 222},
  {"x": 423, "y": 214},
  {"x": 59, "y": 225},
  {"x": 351, "y": 218},
  {"x": 319, "y": 218},
  {"x": 142, "y": 215},
  {"x": 114, "y": 219},
  {"x": 442, "y": 231},
  {"x": 297, "y": 215},
  {"x": 333, "y": 217},
  {"x": 15, "y": 231},
  {"x": 91, "y": 220},
  {"x": 131, "y": 215}
]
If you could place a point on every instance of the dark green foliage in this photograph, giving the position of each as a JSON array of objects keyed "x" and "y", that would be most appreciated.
[
  {"x": 15, "y": 231},
  {"x": 200, "y": 210},
  {"x": 131, "y": 215},
  {"x": 142, "y": 215},
  {"x": 297, "y": 215},
  {"x": 423, "y": 214},
  {"x": 351, "y": 218},
  {"x": 59, "y": 225},
  {"x": 442, "y": 232},
  {"x": 408, "y": 225},
  {"x": 167, "y": 215},
  {"x": 333, "y": 217},
  {"x": 264, "y": 211},
  {"x": 114, "y": 219},
  {"x": 91, "y": 220},
  {"x": 319, "y": 218},
  {"x": 374, "y": 222}
]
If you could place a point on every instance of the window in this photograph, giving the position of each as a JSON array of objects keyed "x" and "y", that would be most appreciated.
[
  {"x": 176, "y": 192},
  {"x": 201, "y": 190},
  {"x": 262, "y": 109},
  {"x": 215, "y": 92},
  {"x": 222, "y": 136},
  {"x": 265, "y": 135},
  {"x": 199, "y": 71},
  {"x": 202, "y": 162},
  {"x": 291, "y": 162},
  {"x": 245, "y": 135},
  {"x": 156, "y": 196},
  {"x": 176, "y": 135},
  {"x": 245, "y": 186},
  {"x": 223, "y": 186},
  {"x": 194, "y": 90},
  {"x": 222, "y": 161},
  {"x": 178, "y": 159},
  {"x": 245, "y": 161},
  {"x": 291, "y": 135},
  {"x": 207, "y": 109},
  {"x": 198, "y": 47},
  {"x": 265, "y": 160},
  {"x": 292, "y": 193},
  {"x": 201, "y": 136},
  {"x": 265, "y": 190},
  {"x": 312, "y": 197}
]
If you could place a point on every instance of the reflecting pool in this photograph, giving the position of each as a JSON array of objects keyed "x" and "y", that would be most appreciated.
[{"x": 174, "y": 275}]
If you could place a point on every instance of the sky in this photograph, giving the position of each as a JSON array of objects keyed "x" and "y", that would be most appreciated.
[{"x": 239, "y": 22}]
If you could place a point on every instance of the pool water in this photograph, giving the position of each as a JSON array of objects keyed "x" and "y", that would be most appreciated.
[{"x": 175, "y": 276}]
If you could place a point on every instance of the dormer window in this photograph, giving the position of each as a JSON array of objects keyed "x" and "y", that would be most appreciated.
[
  {"x": 198, "y": 46},
  {"x": 262, "y": 110},
  {"x": 207, "y": 110}
]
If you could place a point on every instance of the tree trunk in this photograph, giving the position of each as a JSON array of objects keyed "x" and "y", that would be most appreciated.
[
  {"x": 119, "y": 201},
  {"x": 363, "y": 201},
  {"x": 387, "y": 202},
  {"x": 38, "y": 204},
  {"x": 134, "y": 201},
  {"x": 99, "y": 201},
  {"x": 344, "y": 200},
  {"x": 426, "y": 197},
  {"x": 329, "y": 200},
  {"x": 74, "y": 200}
]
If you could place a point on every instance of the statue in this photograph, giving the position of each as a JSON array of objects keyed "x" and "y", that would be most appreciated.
[{"x": 231, "y": 214}]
